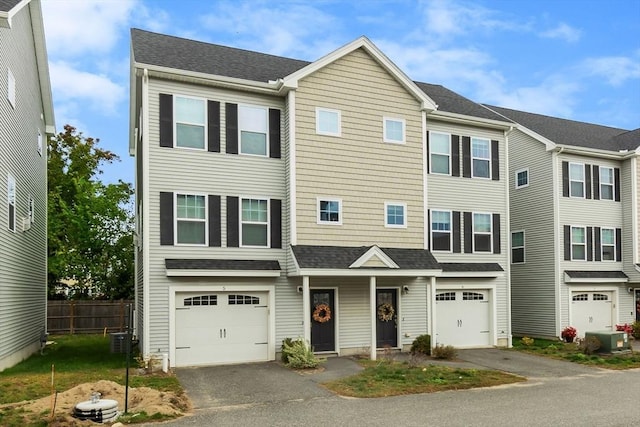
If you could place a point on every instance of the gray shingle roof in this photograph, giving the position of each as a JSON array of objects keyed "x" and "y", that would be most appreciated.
[
  {"x": 7, "y": 5},
  {"x": 576, "y": 274},
  {"x": 470, "y": 266},
  {"x": 573, "y": 133},
  {"x": 451, "y": 102},
  {"x": 220, "y": 264},
  {"x": 340, "y": 257}
]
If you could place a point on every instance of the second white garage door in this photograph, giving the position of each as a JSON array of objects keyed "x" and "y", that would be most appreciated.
[
  {"x": 221, "y": 327},
  {"x": 463, "y": 318},
  {"x": 591, "y": 311}
]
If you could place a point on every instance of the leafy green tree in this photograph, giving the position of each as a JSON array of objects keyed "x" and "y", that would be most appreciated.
[{"x": 91, "y": 224}]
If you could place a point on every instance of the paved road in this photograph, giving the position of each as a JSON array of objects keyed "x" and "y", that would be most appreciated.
[{"x": 557, "y": 393}]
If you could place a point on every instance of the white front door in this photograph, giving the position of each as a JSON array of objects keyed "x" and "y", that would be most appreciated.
[
  {"x": 591, "y": 311},
  {"x": 463, "y": 318}
]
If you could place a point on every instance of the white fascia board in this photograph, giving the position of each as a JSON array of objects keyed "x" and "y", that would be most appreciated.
[
  {"x": 42, "y": 63},
  {"x": 221, "y": 273},
  {"x": 469, "y": 274},
  {"x": 594, "y": 152},
  {"x": 374, "y": 252},
  {"x": 469, "y": 120},
  {"x": 365, "y": 272},
  {"x": 5, "y": 17},
  {"x": 291, "y": 81},
  {"x": 568, "y": 279}
]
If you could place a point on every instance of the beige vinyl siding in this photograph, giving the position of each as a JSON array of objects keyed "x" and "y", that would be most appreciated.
[
  {"x": 358, "y": 166},
  {"x": 23, "y": 255},
  {"x": 533, "y": 284}
]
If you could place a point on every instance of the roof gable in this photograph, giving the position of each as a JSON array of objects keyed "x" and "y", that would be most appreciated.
[{"x": 374, "y": 257}]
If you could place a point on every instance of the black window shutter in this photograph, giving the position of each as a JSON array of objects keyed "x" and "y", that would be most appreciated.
[
  {"x": 466, "y": 157},
  {"x": 589, "y": 243},
  {"x": 274, "y": 133},
  {"x": 455, "y": 155},
  {"x": 166, "y": 120},
  {"x": 597, "y": 244},
  {"x": 166, "y": 218},
  {"x": 565, "y": 179},
  {"x": 12, "y": 218},
  {"x": 276, "y": 223},
  {"x": 468, "y": 233},
  {"x": 596, "y": 182},
  {"x": 495, "y": 161},
  {"x": 587, "y": 181},
  {"x": 233, "y": 226},
  {"x": 213, "y": 122},
  {"x": 567, "y": 242},
  {"x": 496, "y": 233},
  {"x": 231, "y": 111},
  {"x": 616, "y": 183},
  {"x": 618, "y": 244},
  {"x": 456, "y": 232},
  {"x": 215, "y": 230}
]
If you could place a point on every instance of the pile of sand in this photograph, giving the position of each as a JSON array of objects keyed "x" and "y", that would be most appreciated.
[{"x": 140, "y": 399}]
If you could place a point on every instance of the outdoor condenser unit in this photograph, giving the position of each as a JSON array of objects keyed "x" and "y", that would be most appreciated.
[{"x": 610, "y": 341}]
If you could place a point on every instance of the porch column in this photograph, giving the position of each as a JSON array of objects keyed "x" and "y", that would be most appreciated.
[
  {"x": 372, "y": 299},
  {"x": 306, "y": 309},
  {"x": 431, "y": 307}
]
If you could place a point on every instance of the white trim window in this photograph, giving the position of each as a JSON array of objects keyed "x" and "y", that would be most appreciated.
[
  {"x": 11, "y": 201},
  {"x": 482, "y": 232},
  {"x": 253, "y": 125},
  {"x": 480, "y": 158},
  {"x": 190, "y": 122},
  {"x": 576, "y": 180},
  {"x": 440, "y": 153},
  {"x": 328, "y": 122},
  {"x": 578, "y": 243},
  {"x": 608, "y": 243},
  {"x": 395, "y": 215},
  {"x": 254, "y": 223},
  {"x": 11, "y": 88},
  {"x": 441, "y": 235},
  {"x": 191, "y": 219},
  {"x": 522, "y": 178},
  {"x": 329, "y": 211},
  {"x": 394, "y": 130},
  {"x": 606, "y": 183},
  {"x": 39, "y": 142},
  {"x": 517, "y": 247}
]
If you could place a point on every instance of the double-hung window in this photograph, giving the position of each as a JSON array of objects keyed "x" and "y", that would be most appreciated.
[
  {"x": 578, "y": 244},
  {"x": 328, "y": 122},
  {"x": 11, "y": 201},
  {"x": 606, "y": 183},
  {"x": 395, "y": 215},
  {"x": 608, "y": 242},
  {"x": 517, "y": 247},
  {"x": 522, "y": 178},
  {"x": 329, "y": 211},
  {"x": 576, "y": 180},
  {"x": 440, "y": 156},
  {"x": 190, "y": 122},
  {"x": 253, "y": 124},
  {"x": 441, "y": 230},
  {"x": 480, "y": 158},
  {"x": 394, "y": 130},
  {"x": 11, "y": 88},
  {"x": 191, "y": 219},
  {"x": 255, "y": 222},
  {"x": 482, "y": 232}
]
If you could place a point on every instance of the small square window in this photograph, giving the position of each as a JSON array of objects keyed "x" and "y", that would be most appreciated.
[
  {"x": 329, "y": 211},
  {"x": 522, "y": 178},
  {"x": 328, "y": 122},
  {"x": 11, "y": 88},
  {"x": 394, "y": 130},
  {"x": 517, "y": 247},
  {"x": 395, "y": 215}
]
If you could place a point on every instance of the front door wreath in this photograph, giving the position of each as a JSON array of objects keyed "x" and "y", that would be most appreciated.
[
  {"x": 322, "y": 313},
  {"x": 386, "y": 312}
]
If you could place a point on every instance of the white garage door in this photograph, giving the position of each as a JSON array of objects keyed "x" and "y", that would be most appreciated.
[
  {"x": 221, "y": 327},
  {"x": 463, "y": 318},
  {"x": 591, "y": 311}
]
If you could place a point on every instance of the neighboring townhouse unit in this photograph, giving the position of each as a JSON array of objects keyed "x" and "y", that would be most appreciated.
[
  {"x": 574, "y": 224},
  {"x": 26, "y": 120},
  {"x": 336, "y": 201}
]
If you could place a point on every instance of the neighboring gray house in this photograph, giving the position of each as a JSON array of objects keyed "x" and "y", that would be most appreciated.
[
  {"x": 574, "y": 224},
  {"x": 26, "y": 120},
  {"x": 335, "y": 200}
]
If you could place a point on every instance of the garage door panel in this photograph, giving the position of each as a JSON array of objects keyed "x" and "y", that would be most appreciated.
[
  {"x": 463, "y": 318},
  {"x": 591, "y": 311}
]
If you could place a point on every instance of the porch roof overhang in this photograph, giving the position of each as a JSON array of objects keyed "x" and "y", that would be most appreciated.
[
  {"x": 471, "y": 269},
  {"x": 576, "y": 276},
  {"x": 221, "y": 268}
]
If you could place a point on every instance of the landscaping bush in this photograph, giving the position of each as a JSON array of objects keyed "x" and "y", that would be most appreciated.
[
  {"x": 447, "y": 352},
  {"x": 298, "y": 354},
  {"x": 421, "y": 345},
  {"x": 526, "y": 341},
  {"x": 590, "y": 345},
  {"x": 636, "y": 329}
]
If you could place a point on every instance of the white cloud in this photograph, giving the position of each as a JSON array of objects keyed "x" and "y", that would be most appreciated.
[
  {"x": 563, "y": 32},
  {"x": 75, "y": 27},
  {"x": 614, "y": 69}
]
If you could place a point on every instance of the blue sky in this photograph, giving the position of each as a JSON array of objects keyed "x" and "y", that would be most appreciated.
[{"x": 576, "y": 59}]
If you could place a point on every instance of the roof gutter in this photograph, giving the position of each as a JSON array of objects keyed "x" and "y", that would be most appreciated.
[
  {"x": 469, "y": 120},
  {"x": 594, "y": 152}
]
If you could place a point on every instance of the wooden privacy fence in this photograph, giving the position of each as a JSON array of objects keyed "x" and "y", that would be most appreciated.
[{"x": 87, "y": 317}]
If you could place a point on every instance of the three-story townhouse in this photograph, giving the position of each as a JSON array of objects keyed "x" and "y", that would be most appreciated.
[
  {"x": 26, "y": 120},
  {"x": 572, "y": 238}
]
